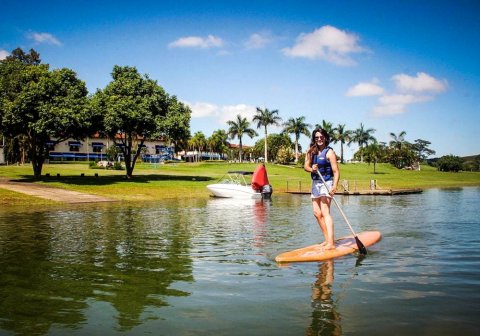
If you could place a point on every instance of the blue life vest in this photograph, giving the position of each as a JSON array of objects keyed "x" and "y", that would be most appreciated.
[{"x": 324, "y": 166}]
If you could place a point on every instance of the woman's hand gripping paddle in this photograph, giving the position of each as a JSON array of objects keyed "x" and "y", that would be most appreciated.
[{"x": 360, "y": 245}]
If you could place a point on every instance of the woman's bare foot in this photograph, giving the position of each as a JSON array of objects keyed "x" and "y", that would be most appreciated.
[
  {"x": 328, "y": 247},
  {"x": 323, "y": 244}
]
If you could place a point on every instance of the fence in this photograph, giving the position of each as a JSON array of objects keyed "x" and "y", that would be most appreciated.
[{"x": 345, "y": 186}]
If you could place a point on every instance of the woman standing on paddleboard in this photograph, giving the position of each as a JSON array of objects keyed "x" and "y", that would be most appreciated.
[{"x": 321, "y": 158}]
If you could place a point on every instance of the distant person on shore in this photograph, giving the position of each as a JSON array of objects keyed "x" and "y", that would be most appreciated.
[{"x": 322, "y": 158}]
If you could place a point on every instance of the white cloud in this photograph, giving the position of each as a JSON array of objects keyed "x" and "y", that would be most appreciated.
[
  {"x": 3, "y": 54},
  {"x": 396, "y": 104},
  {"x": 221, "y": 113},
  {"x": 202, "y": 110},
  {"x": 44, "y": 38},
  {"x": 403, "y": 99},
  {"x": 421, "y": 83},
  {"x": 326, "y": 43},
  {"x": 365, "y": 89},
  {"x": 230, "y": 112},
  {"x": 257, "y": 41},
  {"x": 408, "y": 90},
  {"x": 197, "y": 42}
]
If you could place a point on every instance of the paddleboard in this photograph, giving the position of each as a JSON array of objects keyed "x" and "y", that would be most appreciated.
[{"x": 343, "y": 246}]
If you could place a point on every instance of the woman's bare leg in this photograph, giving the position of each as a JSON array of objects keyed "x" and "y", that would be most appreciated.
[
  {"x": 328, "y": 222},
  {"x": 317, "y": 212}
]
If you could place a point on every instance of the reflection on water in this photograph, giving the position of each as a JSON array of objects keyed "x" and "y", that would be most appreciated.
[
  {"x": 55, "y": 264},
  {"x": 325, "y": 318},
  {"x": 206, "y": 266}
]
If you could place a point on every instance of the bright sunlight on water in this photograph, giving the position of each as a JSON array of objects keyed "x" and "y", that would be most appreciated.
[{"x": 203, "y": 267}]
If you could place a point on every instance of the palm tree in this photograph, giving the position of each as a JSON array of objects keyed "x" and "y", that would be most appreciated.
[
  {"x": 266, "y": 118},
  {"x": 238, "y": 128},
  {"x": 297, "y": 126},
  {"x": 363, "y": 136},
  {"x": 343, "y": 136},
  {"x": 398, "y": 140},
  {"x": 327, "y": 126},
  {"x": 372, "y": 154},
  {"x": 218, "y": 142},
  {"x": 400, "y": 152},
  {"x": 198, "y": 141}
]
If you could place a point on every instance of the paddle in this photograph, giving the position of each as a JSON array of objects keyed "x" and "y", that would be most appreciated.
[{"x": 360, "y": 245}]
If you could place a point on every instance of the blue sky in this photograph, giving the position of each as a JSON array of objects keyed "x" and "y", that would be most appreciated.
[{"x": 394, "y": 66}]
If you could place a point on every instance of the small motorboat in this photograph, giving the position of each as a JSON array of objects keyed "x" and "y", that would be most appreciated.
[{"x": 234, "y": 184}]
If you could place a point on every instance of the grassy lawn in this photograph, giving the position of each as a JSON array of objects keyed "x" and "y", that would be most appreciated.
[{"x": 154, "y": 182}]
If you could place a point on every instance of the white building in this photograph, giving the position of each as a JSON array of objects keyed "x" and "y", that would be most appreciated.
[{"x": 93, "y": 149}]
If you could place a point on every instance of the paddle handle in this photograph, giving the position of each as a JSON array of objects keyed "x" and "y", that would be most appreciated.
[{"x": 336, "y": 203}]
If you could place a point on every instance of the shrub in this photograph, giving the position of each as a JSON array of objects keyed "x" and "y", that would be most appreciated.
[{"x": 450, "y": 163}]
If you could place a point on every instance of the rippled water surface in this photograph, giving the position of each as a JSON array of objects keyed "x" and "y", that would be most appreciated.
[{"x": 203, "y": 267}]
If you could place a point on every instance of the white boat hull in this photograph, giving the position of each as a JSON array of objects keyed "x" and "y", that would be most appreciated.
[{"x": 233, "y": 191}]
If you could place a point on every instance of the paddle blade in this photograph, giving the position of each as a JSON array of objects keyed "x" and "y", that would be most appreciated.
[{"x": 361, "y": 247}]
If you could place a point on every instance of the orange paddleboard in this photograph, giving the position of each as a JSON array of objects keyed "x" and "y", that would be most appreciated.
[{"x": 343, "y": 246}]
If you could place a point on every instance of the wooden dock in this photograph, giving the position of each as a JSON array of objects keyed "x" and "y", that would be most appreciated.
[
  {"x": 353, "y": 188},
  {"x": 380, "y": 192}
]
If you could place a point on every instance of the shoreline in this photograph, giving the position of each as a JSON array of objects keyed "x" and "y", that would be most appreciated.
[
  {"x": 157, "y": 182},
  {"x": 64, "y": 196}
]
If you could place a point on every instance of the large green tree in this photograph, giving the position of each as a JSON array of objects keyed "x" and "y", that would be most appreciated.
[
  {"x": 450, "y": 163},
  {"x": 275, "y": 143},
  {"x": 296, "y": 126},
  {"x": 266, "y": 118},
  {"x": 421, "y": 149},
  {"x": 175, "y": 125},
  {"x": 40, "y": 105},
  {"x": 135, "y": 108},
  {"x": 238, "y": 128}
]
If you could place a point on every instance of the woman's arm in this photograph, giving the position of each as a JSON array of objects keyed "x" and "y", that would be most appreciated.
[{"x": 307, "y": 166}]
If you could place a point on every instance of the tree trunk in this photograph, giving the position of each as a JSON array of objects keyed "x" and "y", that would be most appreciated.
[
  {"x": 127, "y": 153},
  {"x": 341, "y": 152},
  {"x": 37, "y": 155},
  {"x": 296, "y": 150},
  {"x": 37, "y": 167},
  {"x": 241, "y": 149},
  {"x": 266, "y": 151}
]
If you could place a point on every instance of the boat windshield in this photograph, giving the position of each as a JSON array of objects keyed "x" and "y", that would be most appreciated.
[{"x": 236, "y": 177}]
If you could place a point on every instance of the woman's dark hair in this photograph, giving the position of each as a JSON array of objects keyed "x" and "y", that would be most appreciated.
[{"x": 313, "y": 143}]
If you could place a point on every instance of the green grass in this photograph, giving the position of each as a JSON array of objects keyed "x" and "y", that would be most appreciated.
[
  {"x": 155, "y": 182},
  {"x": 8, "y": 198}
]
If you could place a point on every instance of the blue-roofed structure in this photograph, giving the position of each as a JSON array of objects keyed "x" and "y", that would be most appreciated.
[{"x": 95, "y": 149}]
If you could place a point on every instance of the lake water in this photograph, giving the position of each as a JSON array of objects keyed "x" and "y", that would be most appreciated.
[{"x": 206, "y": 266}]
